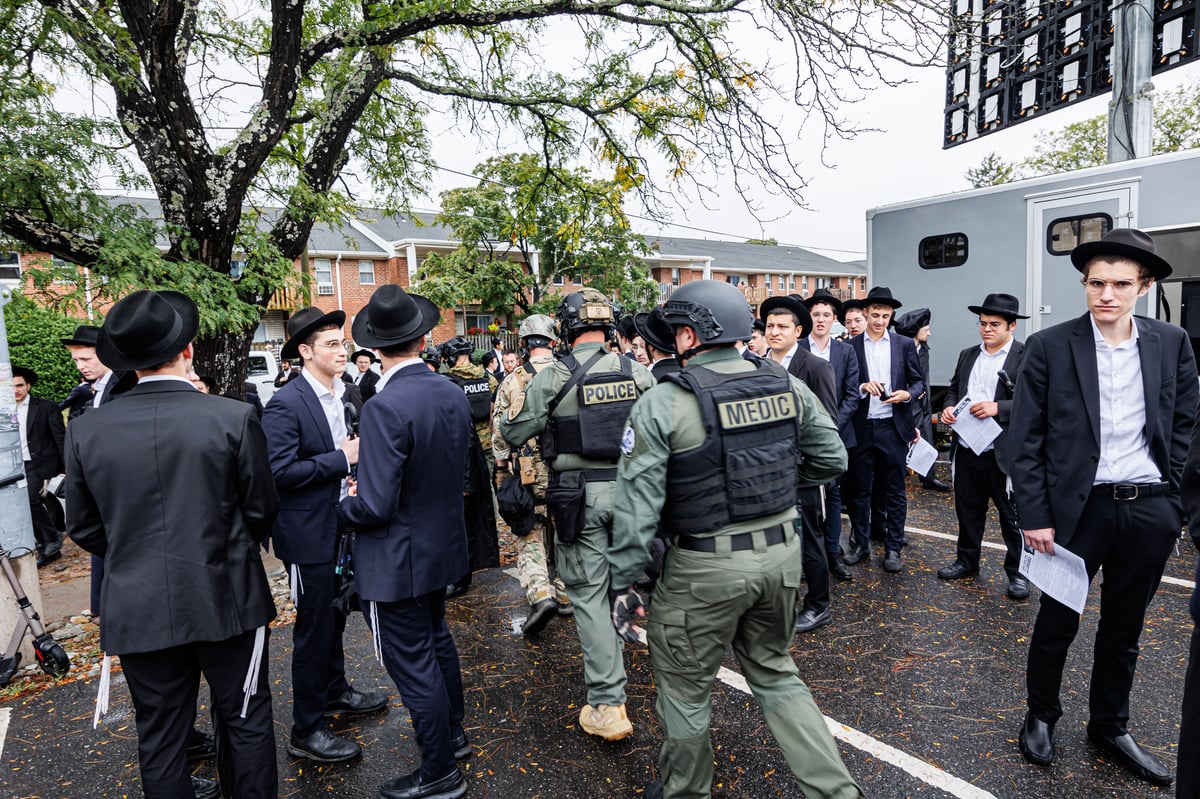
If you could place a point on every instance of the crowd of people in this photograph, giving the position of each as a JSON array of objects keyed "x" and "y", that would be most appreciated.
[{"x": 696, "y": 469}]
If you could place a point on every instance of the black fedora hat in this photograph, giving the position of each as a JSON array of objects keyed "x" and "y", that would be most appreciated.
[
  {"x": 304, "y": 323},
  {"x": 85, "y": 336},
  {"x": 790, "y": 302},
  {"x": 1128, "y": 243},
  {"x": 147, "y": 328},
  {"x": 29, "y": 375},
  {"x": 881, "y": 295},
  {"x": 354, "y": 356},
  {"x": 654, "y": 329},
  {"x": 1005, "y": 305},
  {"x": 851, "y": 305},
  {"x": 825, "y": 296},
  {"x": 393, "y": 317},
  {"x": 908, "y": 324}
]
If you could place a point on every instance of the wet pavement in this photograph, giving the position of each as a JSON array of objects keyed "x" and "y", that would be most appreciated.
[{"x": 923, "y": 679}]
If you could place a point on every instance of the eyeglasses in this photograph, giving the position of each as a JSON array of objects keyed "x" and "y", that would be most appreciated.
[
  {"x": 1097, "y": 286},
  {"x": 332, "y": 346},
  {"x": 993, "y": 325}
]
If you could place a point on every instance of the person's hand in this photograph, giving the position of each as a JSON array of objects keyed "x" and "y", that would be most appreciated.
[
  {"x": 898, "y": 397},
  {"x": 948, "y": 416},
  {"x": 627, "y": 608},
  {"x": 350, "y": 447},
  {"x": 982, "y": 410},
  {"x": 872, "y": 387},
  {"x": 1041, "y": 539}
]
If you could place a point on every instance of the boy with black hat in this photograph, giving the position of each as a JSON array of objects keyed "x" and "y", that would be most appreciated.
[
  {"x": 362, "y": 375},
  {"x": 41, "y": 427}
]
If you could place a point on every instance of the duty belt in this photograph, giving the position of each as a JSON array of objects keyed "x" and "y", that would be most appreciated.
[
  {"x": 1127, "y": 492},
  {"x": 737, "y": 542}
]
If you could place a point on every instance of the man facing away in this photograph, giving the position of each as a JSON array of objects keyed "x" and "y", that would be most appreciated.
[{"x": 1104, "y": 408}]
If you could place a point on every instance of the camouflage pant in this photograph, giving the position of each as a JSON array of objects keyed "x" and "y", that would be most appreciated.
[{"x": 534, "y": 566}]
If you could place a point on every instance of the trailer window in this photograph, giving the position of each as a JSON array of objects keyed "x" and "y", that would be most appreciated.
[
  {"x": 1063, "y": 235},
  {"x": 940, "y": 252}
]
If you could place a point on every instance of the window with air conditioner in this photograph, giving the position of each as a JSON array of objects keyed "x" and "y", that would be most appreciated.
[{"x": 323, "y": 275}]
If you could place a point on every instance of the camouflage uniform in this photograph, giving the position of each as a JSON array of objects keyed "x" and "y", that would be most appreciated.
[
  {"x": 533, "y": 565},
  {"x": 473, "y": 371}
]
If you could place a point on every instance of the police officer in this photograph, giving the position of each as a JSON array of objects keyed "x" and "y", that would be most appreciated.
[
  {"x": 728, "y": 497},
  {"x": 580, "y": 405},
  {"x": 476, "y": 383},
  {"x": 524, "y": 462}
]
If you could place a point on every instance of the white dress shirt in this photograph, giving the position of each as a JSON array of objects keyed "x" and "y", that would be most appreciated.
[
  {"x": 99, "y": 387},
  {"x": 786, "y": 361},
  {"x": 879, "y": 370},
  {"x": 1124, "y": 450},
  {"x": 985, "y": 374},
  {"x": 335, "y": 411},
  {"x": 23, "y": 424},
  {"x": 815, "y": 349}
]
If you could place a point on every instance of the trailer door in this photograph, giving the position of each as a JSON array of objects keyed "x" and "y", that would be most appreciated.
[{"x": 1057, "y": 222}]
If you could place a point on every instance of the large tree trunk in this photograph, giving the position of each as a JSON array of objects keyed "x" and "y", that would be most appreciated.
[{"x": 224, "y": 356}]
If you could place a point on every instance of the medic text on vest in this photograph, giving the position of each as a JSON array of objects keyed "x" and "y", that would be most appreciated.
[{"x": 761, "y": 410}]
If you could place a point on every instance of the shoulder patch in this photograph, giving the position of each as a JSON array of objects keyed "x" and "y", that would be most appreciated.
[{"x": 628, "y": 440}]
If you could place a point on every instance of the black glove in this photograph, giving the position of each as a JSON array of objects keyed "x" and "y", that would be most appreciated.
[{"x": 627, "y": 609}]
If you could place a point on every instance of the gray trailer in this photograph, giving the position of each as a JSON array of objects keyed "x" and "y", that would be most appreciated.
[{"x": 947, "y": 252}]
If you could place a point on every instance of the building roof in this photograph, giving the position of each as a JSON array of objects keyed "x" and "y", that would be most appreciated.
[{"x": 739, "y": 256}]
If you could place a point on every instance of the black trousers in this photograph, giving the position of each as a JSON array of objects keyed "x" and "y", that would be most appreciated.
[
  {"x": 318, "y": 662},
  {"x": 1187, "y": 777},
  {"x": 422, "y": 660},
  {"x": 978, "y": 480},
  {"x": 1131, "y": 542},
  {"x": 877, "y": 467},
  {"x": 44, "y": 531},
  {"x": 164, "y": 684},
  {"x": 812, "y": 548}
]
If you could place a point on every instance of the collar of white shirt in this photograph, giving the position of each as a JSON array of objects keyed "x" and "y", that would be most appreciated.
[
  {"x": 339, "y": 388},
  {"x": 1002, "y": 351},
  {"x": 1098, "y": 337},
  {"x": 165, "y": 378},
  {"x": 387, "y": 376}
]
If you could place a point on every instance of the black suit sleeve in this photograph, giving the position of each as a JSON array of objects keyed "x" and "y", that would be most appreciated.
[
  {"x": 914, "y": 379},
  {"x": 1027, "y": 439},
  {"x": 1187, "y": 390},
  {"x": 282, "y": 428},
  {"x": 84, "y": 524},
  {"x": 58, "y": 433},
  {"x": 954, "y": 393},
  {"x": 257, "y": 496},
  {"x": 823, "y": 383},
  {"x": 850, "y": 384},
  {"x": 1004, "y": 406}
]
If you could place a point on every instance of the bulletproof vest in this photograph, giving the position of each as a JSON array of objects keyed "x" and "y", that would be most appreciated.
[
  {"x": 605, "y": 400},
  {"x": 479, "y": 395},
  {"x": 747, "y": 466}
]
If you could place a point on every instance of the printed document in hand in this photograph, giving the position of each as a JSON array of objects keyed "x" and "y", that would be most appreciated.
[
  {"x": 921, "y": 456},
  {"x": 975, "y": 433},
  {"x": 1062, "y": 575}
]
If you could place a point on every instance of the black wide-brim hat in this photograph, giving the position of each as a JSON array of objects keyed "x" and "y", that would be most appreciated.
[
  {"x": 1128, "y": 243},
  {"x": 790, "y": 302},
  {"x": 147, "y": 328},
  {"x": 850, "y": 305},
  {"x": 881, "y": 295},
  {"x": 354, "y": 356},
  {"x": 29, "y": 375},
  {"x": 304, "y": 323},
  {"x": 825, "y": 296},
  {"x": 1005, "y": 305},
  {"x": 654, "y": 329},
  {"x": 911, "y": 322},
  {"x": 85, "y": 336},
  {"x": 393, "y": 316}
]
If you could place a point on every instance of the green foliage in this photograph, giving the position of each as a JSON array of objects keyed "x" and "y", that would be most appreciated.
[
  {"x": 34, "y": 334},
  {"x": 992, "y": 171}
]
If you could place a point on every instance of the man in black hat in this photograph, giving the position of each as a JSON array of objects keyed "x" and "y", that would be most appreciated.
[
  {"x": 883, "y": 426},
  {"x": 311, "y": 456},
  {"x": 41, "y": 427},
  {"x": 985, "y": 374},
  {"x": 184, "y": 593},
  {"x": 915, "y": 325},
  {"x": 412, "y": 538},
  {"x": 362, "y": 375},
  {"x": 106, "y": 384},
  {"x": 660, "y": 342},
  {"x": 1099, "y": 435}
]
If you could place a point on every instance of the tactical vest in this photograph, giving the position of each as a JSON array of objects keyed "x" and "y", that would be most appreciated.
[
  {"x": 747, "y": 466},
  {"x": 479, "y": 395},
  {"x": 605, "y": 401}
]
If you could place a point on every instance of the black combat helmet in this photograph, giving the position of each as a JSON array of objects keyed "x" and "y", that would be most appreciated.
[
  {"x": 431, "y": 356},
  {"x": 716, "y": 310},
  {"x": 584, "y": 310},
  {"x": 455, "y": 347}
]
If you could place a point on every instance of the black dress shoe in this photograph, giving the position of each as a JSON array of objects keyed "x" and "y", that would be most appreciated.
[
  {"x": 837, "y": 567},
  {"x": 200, "y": 746},
  {"x": 539, "y": 616},
  {"x": 1018, "y": 588},
  {"x": 356, "y": 703},
  {"x": 324, "y": 747},
  {"x": 1132, "y": 756},
  {"x": 410, "y": 786},
  {"x": 459, "y": 588},
  {"x": 956, "y": 571},
  {"x": 811, "y": 619},
  {"x": 205, "y": 789},
  {"x": 1037, "y": 741},
  {"x": 891, "y": 562},
  {"x": 48, "y": 558},
  {"x": 856, "y": 554},
  {"x": 934, "y": 484}
]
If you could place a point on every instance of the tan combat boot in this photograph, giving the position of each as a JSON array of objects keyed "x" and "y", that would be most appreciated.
[{"x": 605, "y": 721}]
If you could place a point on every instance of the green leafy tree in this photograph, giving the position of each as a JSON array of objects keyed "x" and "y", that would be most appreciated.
[
  {"x": 991, "y": 171},
  {"x": 250, "y": 122},
  {"x": 35, "y": 335}
]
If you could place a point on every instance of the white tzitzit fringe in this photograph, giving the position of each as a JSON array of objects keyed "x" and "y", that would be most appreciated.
[
  {"x": 102, "y": 691},
  {"x": 250, "y": 686},
  {"x": 375, "y": 633},
  {"x": 297, "y": 585}
]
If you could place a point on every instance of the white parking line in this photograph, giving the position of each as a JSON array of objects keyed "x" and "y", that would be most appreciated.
[{"x": 4, "y": 715}]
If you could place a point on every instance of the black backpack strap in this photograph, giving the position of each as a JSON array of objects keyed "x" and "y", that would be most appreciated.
[{"x": 577, "y": 373}]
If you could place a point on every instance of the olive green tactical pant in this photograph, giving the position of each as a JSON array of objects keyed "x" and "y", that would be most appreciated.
[
  {"x": 583, "y": 568},
  {"x": 533, "y": 567},
  {"x": 707, "y": 602}
]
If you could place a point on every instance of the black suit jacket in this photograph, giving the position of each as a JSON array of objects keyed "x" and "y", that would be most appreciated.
[
  {"x": 118, "y": 384},
  {"x": 172, "y": 487},
  {"x": 1055, "y": 429},
  {"x": 308, "y": 466},
  {"x": 366, "y": 386},
  {"x": 845, "y": 371},
  {"x": 818, "y": 375},
  {"x": 667, "y": 366},
  {"x": 44, "y": 432},
  {"x": 905, "y": 375},
  {"x": 1003, "y": 396}
]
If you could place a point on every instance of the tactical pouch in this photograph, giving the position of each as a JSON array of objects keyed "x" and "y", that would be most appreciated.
[{"x": 566, "y": 501}]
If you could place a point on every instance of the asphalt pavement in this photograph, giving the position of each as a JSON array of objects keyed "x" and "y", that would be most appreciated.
[{"x": 922, "y": 681}]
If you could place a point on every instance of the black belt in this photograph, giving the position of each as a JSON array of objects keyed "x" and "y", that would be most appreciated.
[
  {"x": 1126, "y": 492},
  {"x": 737, "y": 542},
  {"x": 591, "y": 475}
]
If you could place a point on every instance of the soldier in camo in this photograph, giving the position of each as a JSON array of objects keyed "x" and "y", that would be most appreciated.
[{"x": 546, "y": 594}]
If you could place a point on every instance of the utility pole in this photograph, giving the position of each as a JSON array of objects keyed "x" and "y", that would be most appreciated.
[{"x": 1131, "y": 111}]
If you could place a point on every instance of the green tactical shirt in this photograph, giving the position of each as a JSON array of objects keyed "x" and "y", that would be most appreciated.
[
  {"x": 667, "y": 420},
  {"x": 531, "y": 421}
]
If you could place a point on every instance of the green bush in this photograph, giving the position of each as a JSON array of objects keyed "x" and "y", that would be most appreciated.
[{"x": 34, "y": 334}]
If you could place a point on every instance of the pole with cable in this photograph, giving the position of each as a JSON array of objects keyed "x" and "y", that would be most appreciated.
[{"x": 1131, "y": 111}]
